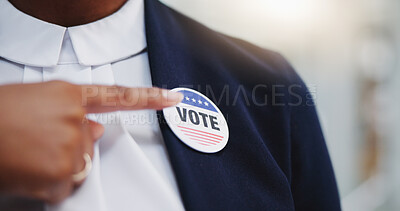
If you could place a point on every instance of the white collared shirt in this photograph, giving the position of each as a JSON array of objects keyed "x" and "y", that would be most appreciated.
[{"x": 131, "y": 165}]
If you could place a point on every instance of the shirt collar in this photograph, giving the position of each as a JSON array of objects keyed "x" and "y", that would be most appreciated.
[{"x": 30, "y": 41}]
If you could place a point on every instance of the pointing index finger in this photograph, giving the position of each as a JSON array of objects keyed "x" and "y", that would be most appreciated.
[{"x": 98, "y": 99}]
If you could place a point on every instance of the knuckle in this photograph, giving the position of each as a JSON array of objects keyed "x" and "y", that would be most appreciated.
[
  {"x": 69, "y": 94},
  {"x": 77, "y": 112},
  {"x": 128, "y": 96},
  {"x": 61, "y": 169},
  {"x": 154, "y": 97},
  {"x": 63, "y": 163},
  {"x": 73, "y": 137},
  {"x": 125, "y": 94},
  {"x": 110, "y": 95}
]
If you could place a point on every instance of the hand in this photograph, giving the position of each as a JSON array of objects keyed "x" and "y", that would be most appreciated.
[{"x": 43, "y": 135}]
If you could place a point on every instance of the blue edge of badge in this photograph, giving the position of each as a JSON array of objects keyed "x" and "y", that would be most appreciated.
[{"x": 193, "y": 99}]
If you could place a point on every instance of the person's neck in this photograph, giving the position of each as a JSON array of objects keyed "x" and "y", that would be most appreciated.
[{"x": 68, "y": 13}]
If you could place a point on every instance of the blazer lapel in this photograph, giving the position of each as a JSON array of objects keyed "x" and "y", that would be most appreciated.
[{"x": 173, "y": 65}]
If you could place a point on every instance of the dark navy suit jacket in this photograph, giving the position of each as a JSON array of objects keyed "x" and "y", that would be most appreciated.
[{"x": 276, "y": 157}]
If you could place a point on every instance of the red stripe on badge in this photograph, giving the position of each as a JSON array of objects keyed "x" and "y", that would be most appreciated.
[
  {"x": 202, "y": 144},
  {"x": 191, "y": 135},
  {"x": 199, "y": 134},
  {"x": 201, "y": 131}
]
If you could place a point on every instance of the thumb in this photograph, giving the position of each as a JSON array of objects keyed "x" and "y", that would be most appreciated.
[{"x": 97, "y": 130}]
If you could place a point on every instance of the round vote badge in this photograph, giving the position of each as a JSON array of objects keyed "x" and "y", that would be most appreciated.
[{"x": 197, "y": 122}]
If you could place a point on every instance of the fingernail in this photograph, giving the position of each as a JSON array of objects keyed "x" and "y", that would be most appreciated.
[{"x": 173, "y": 96}]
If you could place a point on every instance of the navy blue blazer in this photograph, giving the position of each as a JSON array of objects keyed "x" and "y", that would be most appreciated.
[{"x": 276, "y": 157}]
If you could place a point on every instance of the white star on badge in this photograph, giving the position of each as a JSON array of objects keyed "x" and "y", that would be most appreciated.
[
  {"x": 194, "y": 100},
  {"x": 187, "y": 98},
  {"x": 200, "y": 102},
  {"x": 205, "y": 103}
]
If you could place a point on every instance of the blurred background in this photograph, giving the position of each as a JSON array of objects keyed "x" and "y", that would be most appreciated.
[{"x": 348, "y": 52}]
